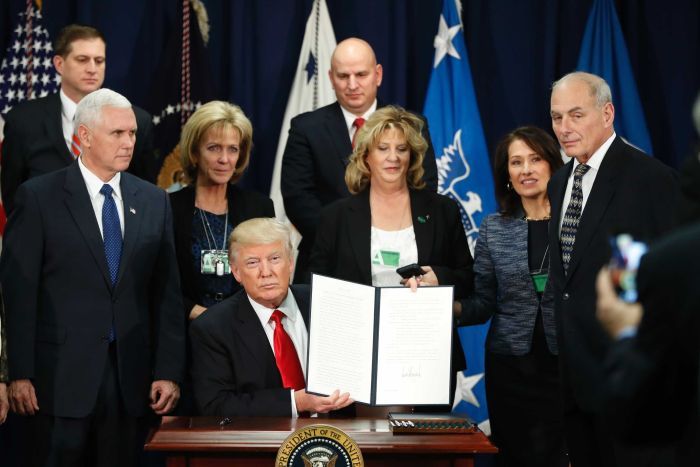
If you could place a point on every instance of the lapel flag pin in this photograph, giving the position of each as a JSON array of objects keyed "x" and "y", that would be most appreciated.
[{"x": 132, "y": 210}]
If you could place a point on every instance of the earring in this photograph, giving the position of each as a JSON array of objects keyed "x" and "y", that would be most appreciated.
[{"x": 509, "y": 186}]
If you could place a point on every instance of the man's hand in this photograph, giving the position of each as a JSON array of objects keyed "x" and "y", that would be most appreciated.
[
  {"x": 321, "y": 404},
  {"x": 23, "y": 397},
  {"x": 4, "y": 403},
  {"x": 164, "y": 396},
  {"x": 614, "y": 314}
]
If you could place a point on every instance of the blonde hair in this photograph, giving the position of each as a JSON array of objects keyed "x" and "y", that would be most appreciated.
[
  {"x": 259, "y": 231},
  {"x": 218, "y": 115},
  {"x": 357, "y": 173}
]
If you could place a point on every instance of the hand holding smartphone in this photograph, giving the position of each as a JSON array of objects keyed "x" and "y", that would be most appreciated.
[
  {"x": 410, "y": 270},
  {"x": 624, "y": 262}
]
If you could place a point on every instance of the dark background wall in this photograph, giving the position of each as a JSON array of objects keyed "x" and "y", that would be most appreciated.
[{"x": 517, "y": 48}]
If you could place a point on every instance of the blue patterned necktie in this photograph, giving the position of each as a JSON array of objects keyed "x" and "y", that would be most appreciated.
[
  {"x": 572, "y": 216},
  {"x": 112, "y": 233}
]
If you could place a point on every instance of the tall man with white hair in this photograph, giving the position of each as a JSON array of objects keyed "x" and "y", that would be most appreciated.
[
  {"x": 609, "y": 187},
  {"x": 94, "y": 326},
  {"x": 249, "y": 351}
]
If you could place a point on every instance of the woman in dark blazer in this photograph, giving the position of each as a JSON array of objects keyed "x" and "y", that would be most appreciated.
[
  {"x": 215, "y": 145},
  {"x": 390, "y": 221},
  {"x": 511, "y": 262},
  {"x": 215, "y": 148}
]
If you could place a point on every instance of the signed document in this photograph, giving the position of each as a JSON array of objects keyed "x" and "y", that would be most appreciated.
[{"x": 383, "y": 345}]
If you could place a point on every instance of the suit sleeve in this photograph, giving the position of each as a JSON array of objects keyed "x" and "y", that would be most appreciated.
[
  {"x": 430, "y": 175},
  {"x": 13, "y": 166},
  {"x": 323, "y": 254},
  {"x": 651, "y": 369},
  {"x": 480, "y": 306},
  {"x": 457, "y": 268},
  {"x": 216, "y": 390},
  {"x": 169, "y": 361},
  {"x": 301, "y": 202},
  {"x": 20, "y": 270},
  {"x": 3, "y": 345}
]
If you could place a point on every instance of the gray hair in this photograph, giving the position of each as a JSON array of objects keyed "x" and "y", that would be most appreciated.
[
  {"x": 598, "y": 88},
  {"x": 89, "y": 110},
  {"x": 259, "y": 231}
]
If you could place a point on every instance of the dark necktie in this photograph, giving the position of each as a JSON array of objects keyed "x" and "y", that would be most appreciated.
[
  {"x": 286, "y": 355},
  {"x": 112, "y": 234},
  {"x": 572, "y": 216},
  {"x": 357, "y": 124}
]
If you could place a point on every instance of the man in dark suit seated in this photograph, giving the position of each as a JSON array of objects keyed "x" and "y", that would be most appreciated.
[
  {"x": 92, "y": 298},
  {"x": 652, "y": 367},
  {"x": 39, "y": 133},
  {"x": 320, "y": 143},
  {"x": 249, "y": 351}
]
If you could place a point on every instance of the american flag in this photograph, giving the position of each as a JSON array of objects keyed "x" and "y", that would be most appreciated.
[{"x": 27, "y": 71}]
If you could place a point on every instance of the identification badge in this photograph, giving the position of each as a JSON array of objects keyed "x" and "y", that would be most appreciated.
[
  {"x": 540, "y": 281},
  {"x": 215, "y": 262}
]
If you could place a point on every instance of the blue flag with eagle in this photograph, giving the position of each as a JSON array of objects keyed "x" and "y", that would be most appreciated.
[{"x": 464, "y": 174}]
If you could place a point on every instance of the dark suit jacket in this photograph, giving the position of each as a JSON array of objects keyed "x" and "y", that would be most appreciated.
[
  {"x": 503, "y": 289},
  {"x": 234, "y": 371},
  {"x": 313, "y": 170},
  {"x": 342, "y": 248},
  {"x": 655, "y": 375},
  {"x": 633, "y": 193},
  {"x": 242, "y": 205},
  {"x": 60, "y": 302},
  {"x": 34, "y": 145}
]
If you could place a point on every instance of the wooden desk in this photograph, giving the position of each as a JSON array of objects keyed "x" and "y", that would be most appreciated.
[{"x": 253, "y": 442}]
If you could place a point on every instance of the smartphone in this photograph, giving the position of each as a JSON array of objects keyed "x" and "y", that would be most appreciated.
[
  {"x": 624, "y": 263},
  {"x": 410, "y": 270}
]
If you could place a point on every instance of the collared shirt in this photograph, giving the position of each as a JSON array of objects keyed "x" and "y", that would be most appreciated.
[
  {"x": 293, "y": 323},
  {"x": 94, "y": 185},
  {"x": 67, "y": 115},
  {"x": 350, "y": 117},
  {"x": 587, "y": 180}
]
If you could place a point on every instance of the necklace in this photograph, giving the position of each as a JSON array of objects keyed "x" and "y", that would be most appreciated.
[{"x": 545, "y": 218}]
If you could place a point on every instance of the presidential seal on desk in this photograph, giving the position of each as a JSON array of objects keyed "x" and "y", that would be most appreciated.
[{"x": 319, "y": 446}]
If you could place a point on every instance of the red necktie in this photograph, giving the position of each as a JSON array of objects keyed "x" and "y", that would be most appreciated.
[
  {"x": 75, "y": 146},
  {"x": 357, "y": 124},
  {"x": 286, "y": 355}
]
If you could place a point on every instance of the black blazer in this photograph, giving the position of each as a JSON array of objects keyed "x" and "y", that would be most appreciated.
[
  {"x": 34, "y": 145},
  {"x": 633, "y": 193},
  {"x": 242, "y": 205},
  {"x": 313, "y": 170},
  {"x": 60, "y": 303},
  {"x": 658, "y": 370},
  {"x": 342, "y": 247},
  {"x": 234, "y": 371}
]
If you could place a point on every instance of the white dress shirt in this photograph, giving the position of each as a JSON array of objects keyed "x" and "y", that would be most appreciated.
[
  {"x": 293, "y": 323},
  {"x": 67, "y": 118},
  {"x": 350, "y": 118},
  {"x": 94, "y": 185},
  {"x": 587, "y": 180}
]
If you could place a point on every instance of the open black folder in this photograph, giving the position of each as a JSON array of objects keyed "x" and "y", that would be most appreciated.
[{"x": 383, "y": 345}]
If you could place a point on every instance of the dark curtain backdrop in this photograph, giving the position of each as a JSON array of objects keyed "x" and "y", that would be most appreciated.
[{"x": 516, "y": 47}]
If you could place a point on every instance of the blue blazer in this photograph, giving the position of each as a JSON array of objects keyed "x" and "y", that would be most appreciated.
[{"x": 503, "y": 289}]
